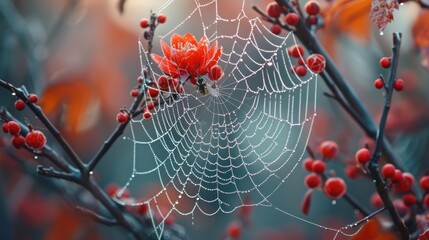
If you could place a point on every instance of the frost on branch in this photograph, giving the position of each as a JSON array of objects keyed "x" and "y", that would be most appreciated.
[{"x": 382, "y": 12}]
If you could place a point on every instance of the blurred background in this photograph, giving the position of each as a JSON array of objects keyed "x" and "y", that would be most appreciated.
[{"x": 82, "y": 59}]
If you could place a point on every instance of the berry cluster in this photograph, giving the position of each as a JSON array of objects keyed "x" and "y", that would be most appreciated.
[
  {"x": 398, "y": 85},
  {"x": 332, "y": 186},
  {"x": 145, "y": 23},
  {"x": 34, "y": 139},
  {"x": 291, "y": 19},
  {"x": 315, "y": 62}
]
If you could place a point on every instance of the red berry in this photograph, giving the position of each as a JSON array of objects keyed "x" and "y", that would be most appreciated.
[
  {"x": 234, "y": 230},
  {"x": 363, "y": 155},
  {"x": 134, "y": 93},
  {"x": 150, "y": 106},
  {"x": 35, "y": 139},
  {"x": 153, "y": 92},
  {"x": 32, "y": 98},
  {"x": 316, "y": 63},
  {"x": 215, "y": 73},
  {"x": 122, "y": 117},
  {"x": 143, "y": 209},
  {"x": 162, "y": 18},
  {"x": 409, "y": 200},
  {"x": 405, "y": 184},
  {"x": 5, "y": 127},
  {"x": 180, "y": 89},
  {"x": 276, "y": 29},
  {"x": 318, "y": 166},
  {"x": 296, "y": 51},
  {"x": 13, "y": 128},
  {"x": 378, "y": 83},
  {"x": 308, "y": 164},
  {"x": 292, "y": 19},
  {"x": 140, "y": 80},
  {"x": 301, "y": 71},
  {"x": 397, "y": 177},
  {"x": 147, "y": 114},
  {"x": 163, "y": 82},
  {"x": 19, "y": 105},
  {"x": 300, "y": 61},
  {"x": 170, "y": 220},
  {"x": 112, "y": 189},
  {"x": 18, "y": 141},
  {"x": 312, "y": 7},
  {"x": 388, "y": 170},
  {"x": 426, "y": 201},
  {"x": 376, "y": 200},
  {"x": 352, "y": 171},
  {"x": 144, "y": 23},
  {"x": 312, "y": 180},
  {"x": 274, "y": 10},
  {"x": 424, "y": 183},
  {"x": 335, "y": 187},
  {"x": 312, "y": 20},
  {"x": 399, "y": 84},
  {"x": 173, "y": 83},
  {"x": 385, "y": 62},
  {"x": 193, "y": 80},
  {"x": 329, "y": 149}
]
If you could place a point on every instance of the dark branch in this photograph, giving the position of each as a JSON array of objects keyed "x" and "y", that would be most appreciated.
[
  {"x": 50, "y": 172},
  {"x": 373, "y": 166},
  {"x": 96, "y": 217}
]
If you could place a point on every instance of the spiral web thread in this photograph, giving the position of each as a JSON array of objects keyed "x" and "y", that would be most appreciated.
[{"x": 210, "y": 152}]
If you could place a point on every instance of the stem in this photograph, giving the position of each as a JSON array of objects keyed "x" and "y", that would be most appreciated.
[{"x": 373, "y": 165}]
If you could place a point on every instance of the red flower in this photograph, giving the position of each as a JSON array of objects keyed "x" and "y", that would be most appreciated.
[{"x": 187, "y": 57}]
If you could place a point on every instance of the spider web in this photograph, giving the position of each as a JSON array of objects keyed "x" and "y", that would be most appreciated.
[{"x": 246, "y": 137}]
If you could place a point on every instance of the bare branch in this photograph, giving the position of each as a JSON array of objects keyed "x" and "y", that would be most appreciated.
[{"x": 96, "y": 217}]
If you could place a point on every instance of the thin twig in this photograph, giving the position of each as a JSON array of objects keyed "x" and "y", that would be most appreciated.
[
  {"x": 52, "y": 173},
  {"x": 133, "y": 109},
  {"x": 373, "y": 165},
  {"x": 96, "y": 217}
]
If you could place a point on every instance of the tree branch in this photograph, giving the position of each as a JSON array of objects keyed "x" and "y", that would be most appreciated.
[
  {"x": 373, "y": 165},
  {"x": 96, "y": 217}
]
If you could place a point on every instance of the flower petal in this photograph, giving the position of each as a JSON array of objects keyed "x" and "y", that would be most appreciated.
[
  {"x": 167, "y": 66},
  {"x": 189, "y": 38},
  {"x": 166, "y": 50},
  {"x": 176, "y": 41},
  {"x": 213, "y": 57}
]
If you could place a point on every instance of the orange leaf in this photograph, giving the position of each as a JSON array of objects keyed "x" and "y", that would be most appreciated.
[
  {"x": 420, "y": 29},
  {"x": 74, "y": 99},
  {"x": 349, "y": 16},
  {"x": 373, "y": 230}
]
